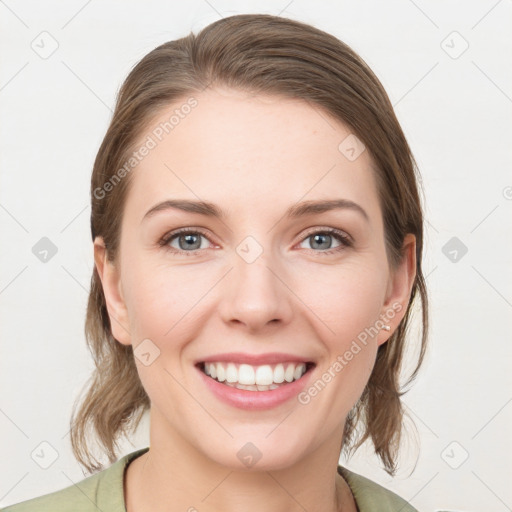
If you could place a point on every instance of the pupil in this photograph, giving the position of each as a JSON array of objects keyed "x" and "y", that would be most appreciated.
[
  {"x": 190, "y": 240},
  {"x": 316, "y": 237}
]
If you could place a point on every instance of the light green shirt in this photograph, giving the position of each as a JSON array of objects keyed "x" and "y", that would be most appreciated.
[{"x": 104, "y": 492}]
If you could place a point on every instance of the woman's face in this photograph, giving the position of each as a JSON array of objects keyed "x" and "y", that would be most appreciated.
[{"x": 266, "y": 290}]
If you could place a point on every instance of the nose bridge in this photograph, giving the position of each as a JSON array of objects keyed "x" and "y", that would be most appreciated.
[{"x": 256, "y": 293}]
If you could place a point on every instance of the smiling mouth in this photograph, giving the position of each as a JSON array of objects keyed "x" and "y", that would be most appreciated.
[{"x": 248, "y": 377}]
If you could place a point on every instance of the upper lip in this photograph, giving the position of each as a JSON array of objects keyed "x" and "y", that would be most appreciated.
[{"x": 255, "y": 359}]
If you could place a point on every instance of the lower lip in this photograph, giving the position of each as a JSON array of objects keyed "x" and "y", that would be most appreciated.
[{"x": 255, "y": 400}]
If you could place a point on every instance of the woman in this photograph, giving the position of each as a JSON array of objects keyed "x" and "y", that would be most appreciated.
[{"x": 257, "y": 237}]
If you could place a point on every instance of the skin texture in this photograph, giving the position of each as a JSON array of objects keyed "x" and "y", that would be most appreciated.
[{"x": 253, "y": 156}]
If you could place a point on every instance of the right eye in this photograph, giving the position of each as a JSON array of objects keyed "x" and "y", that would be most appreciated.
[{"x": 188, "y": 241}]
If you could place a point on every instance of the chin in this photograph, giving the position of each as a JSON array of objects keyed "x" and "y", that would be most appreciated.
[{"x": 257, "y": 452}]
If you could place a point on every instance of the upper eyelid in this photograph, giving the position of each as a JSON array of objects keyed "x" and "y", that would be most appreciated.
[
  {"x": 309, "y": 232},
  {"x": 333, "y": 231}
]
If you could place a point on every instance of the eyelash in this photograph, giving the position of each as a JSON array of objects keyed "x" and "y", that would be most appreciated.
[{"x": 345, "y": 240}]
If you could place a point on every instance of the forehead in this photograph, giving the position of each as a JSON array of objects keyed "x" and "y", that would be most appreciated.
[{"x": 254, "y": 151}]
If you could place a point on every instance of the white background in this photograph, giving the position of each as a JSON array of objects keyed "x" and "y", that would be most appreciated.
[{"x": 455, "y": 113}]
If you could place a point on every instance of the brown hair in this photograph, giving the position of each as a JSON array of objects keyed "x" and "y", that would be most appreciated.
[{"x": 257, "y": 53}]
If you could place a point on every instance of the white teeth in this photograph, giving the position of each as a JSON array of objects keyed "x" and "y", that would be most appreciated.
[
  {"x": 279, "y": 374},
  {"x": 297, "y": 374},
  {"x": 221, "y": 373},
  {"x": 264, "y": 375},
  {"x": 231, "y": 373},
  {"x": 246, "y": 375},
  {"x": 289, "y": 372},
  {"x": 255, "y": 378}
]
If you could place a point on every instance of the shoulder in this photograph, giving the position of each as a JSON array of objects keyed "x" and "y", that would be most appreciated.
[
  {"x": 369, "y": 495},
  {"x": 101, "y": 491}
]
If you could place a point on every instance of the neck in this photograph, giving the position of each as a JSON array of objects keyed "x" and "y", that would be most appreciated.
[{"x": 172, "y": 476}]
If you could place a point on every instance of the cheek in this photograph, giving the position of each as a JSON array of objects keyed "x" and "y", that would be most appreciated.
[
  {"x": 161, "y": 309},
  {"x": 160, "y": 298},
  {"x": 347, "y": 298},
  {"x": 350, "y": 308}
]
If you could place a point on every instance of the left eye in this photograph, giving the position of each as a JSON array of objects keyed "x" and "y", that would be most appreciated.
[{"x": 323, "y": 240}]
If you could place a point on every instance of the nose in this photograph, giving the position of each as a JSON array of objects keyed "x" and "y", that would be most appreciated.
[{"x": 255, "y": 296}]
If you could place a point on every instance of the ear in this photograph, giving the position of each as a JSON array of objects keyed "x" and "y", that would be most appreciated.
[
  {"x": 399, "y": 289},
  {"x": 111, "y": 283}
]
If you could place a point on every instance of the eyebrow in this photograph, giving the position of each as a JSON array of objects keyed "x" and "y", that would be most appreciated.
[{"x": 295, "y": 211}]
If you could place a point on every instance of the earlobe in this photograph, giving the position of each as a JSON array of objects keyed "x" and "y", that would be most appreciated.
[
  {"x": 399, "y": 290},
  {"x": 111, "y": 284}
]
